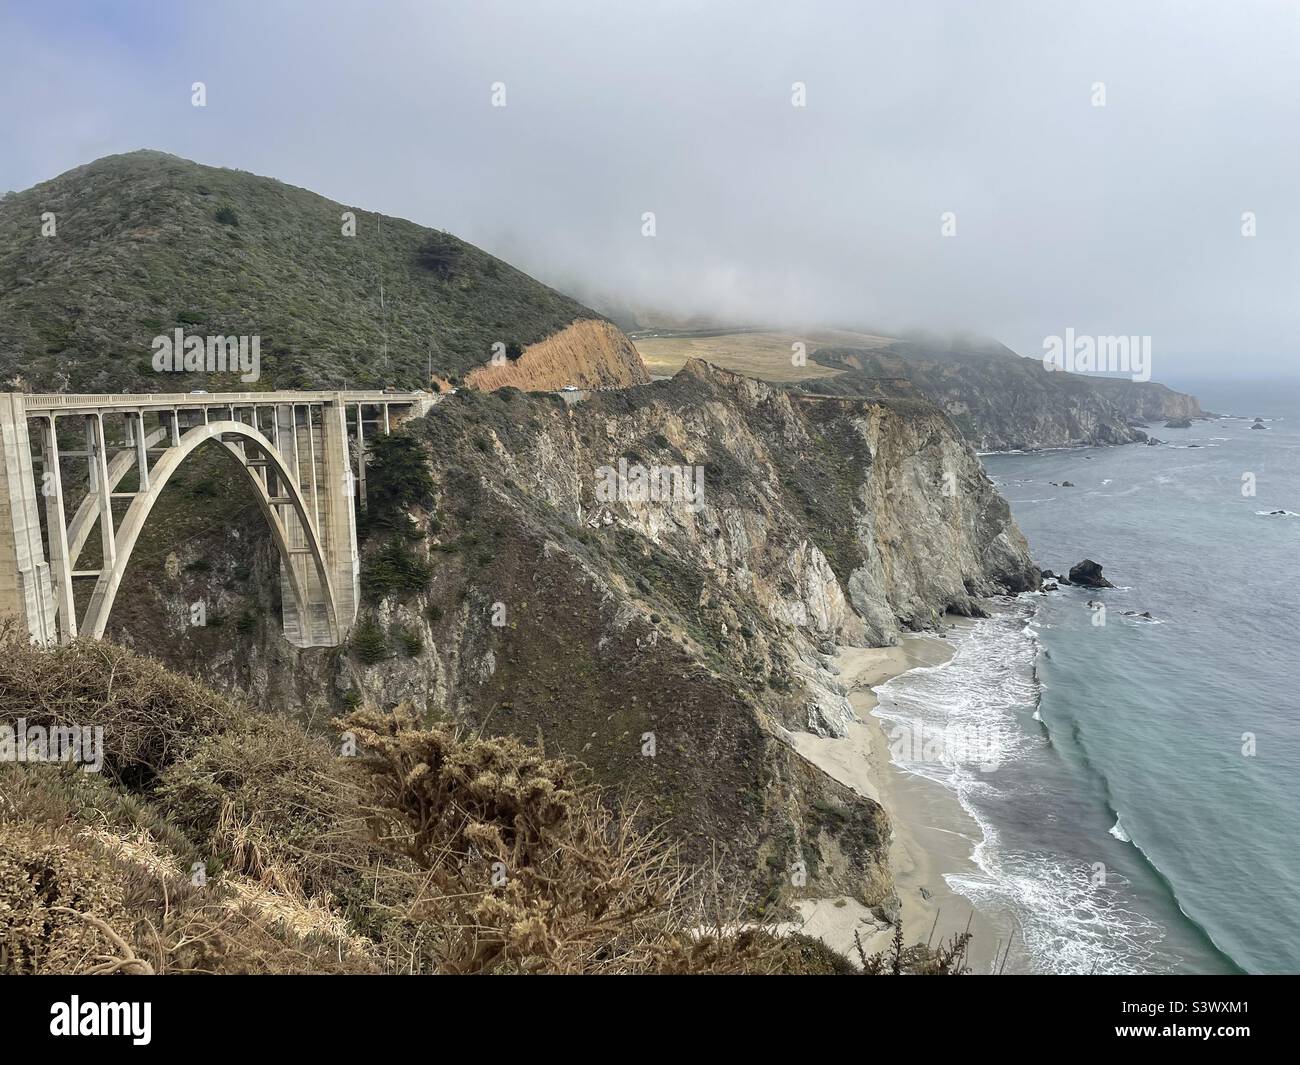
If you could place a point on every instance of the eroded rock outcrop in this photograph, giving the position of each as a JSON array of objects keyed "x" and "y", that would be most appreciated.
[
  {"x": 1003, "y": 402},
  {"x": 590, "y": 353},
  {"x": 1088, "y": 574}
]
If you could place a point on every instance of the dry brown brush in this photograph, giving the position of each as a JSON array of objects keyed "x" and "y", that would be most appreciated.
[{"x": 523, "y": 868}]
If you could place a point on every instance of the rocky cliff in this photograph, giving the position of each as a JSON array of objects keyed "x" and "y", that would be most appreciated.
[
  {"x": 651, "y": 580},
  {"x": 1148, "y": 400},
  {"x": 590, "y": 353},
  {"x": 1002, "y": 402}
]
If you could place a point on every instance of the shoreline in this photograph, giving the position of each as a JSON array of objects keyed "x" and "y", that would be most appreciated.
[{"x": 932, "y": 835}]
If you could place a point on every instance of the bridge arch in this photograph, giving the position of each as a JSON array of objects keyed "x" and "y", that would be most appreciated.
[
  {"x": 128, "y": 532},
  {"x": 312, "y": 517}
]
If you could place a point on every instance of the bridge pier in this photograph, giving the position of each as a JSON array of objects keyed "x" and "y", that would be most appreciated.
[{"x": 26, "y": 595}]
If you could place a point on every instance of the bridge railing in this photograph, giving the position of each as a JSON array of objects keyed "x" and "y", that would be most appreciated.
[{"x": 134, "y": 400}]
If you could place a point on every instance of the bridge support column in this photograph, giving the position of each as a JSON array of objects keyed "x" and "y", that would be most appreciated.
[
  {"x": 56, "y": 524},
  {"x": 315, "y": 450},
  {"x": 361, "y": 456},
  {"x": 26, "y": 595},
  {"x": 338, "y": 516}
]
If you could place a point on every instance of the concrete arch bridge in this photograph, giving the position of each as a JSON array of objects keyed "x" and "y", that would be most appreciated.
[{"x": 302, "y": 453}]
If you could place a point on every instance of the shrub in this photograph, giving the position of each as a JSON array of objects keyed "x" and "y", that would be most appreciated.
[
  {"x": 523, "y": 868},
  {"x": 150, "y": 715},
  {"x": 440, "y": 254},
  {"x": 369, "y": 642},
  {"x": 397, "y": 479},
  {"x": 226, "y": 216},
  {"x": 394, "y": 569},
  {"x": 48, "y": 881},
  {"x": 265, "y": 799}
]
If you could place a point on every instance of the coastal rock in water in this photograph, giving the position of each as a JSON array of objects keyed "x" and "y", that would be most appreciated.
[
  {"x": 1067, "y": 484},
  {"x": 1152, "y": 442},
  {"x": 1050, "y": 586},
  {"x": 1259, "y": 425},
  {"x": 1178, "y": 423},
  {"x": 1088, "y": 574}
]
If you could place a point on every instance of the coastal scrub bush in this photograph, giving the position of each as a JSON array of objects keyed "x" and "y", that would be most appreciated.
[
  {"x": 440, "y": 254},
  {"x": 150, "y": 716},
  {"x": 394, "y": 568},
  {"x": 524, "y": 869},
  {"x": 369, "y": 643},
  {"x": 948, "y": 959},
  {"x": 397, "y": 479}
]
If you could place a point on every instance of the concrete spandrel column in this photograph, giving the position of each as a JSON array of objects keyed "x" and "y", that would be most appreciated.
[
  {"x": 56, "y": 524},
  {"x": 102, "y": 486},
  {"x": 361, "y": 456},
  {"x": 296, "y": 628}
]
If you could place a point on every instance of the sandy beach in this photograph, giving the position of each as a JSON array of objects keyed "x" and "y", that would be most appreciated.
[{"x": 932, "y": 835}]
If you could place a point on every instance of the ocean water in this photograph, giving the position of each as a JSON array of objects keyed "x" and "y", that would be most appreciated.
[{"x": 1137, "y": 782}]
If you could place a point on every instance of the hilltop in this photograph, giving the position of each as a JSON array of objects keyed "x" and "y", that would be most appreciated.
[{"x": 145, "y": 243}]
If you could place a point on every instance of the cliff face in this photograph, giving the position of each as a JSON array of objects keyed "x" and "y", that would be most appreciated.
[
  {"x": 1148, "y": 400},
  {"x": 1002, "y": 402},
  {"x": 668, "y": 637},
  {"x": 590, "y": 353}
]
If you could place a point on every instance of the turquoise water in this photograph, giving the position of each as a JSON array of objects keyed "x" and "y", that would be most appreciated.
[{"x": 1145, "y": 814}]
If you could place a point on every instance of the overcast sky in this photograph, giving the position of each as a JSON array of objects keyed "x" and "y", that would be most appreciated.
[{"x": 1122, "y": 219}]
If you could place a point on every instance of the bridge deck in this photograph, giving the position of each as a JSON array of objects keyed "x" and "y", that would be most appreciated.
[{"x": 39, "y": 403}]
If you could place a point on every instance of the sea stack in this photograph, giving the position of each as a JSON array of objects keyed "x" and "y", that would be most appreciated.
[{"x": 1088, "y": 574}]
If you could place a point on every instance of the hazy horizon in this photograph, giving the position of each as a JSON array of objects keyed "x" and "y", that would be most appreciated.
[{"x": 1118, "y": 219}]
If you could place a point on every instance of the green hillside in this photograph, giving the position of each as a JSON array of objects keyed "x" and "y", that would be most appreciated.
[{"x": 147, "y": 243}]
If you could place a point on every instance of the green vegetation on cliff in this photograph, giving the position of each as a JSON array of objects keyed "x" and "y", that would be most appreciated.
[{"x": 145, "y": 243}]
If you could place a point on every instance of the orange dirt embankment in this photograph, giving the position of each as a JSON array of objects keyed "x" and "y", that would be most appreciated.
[{"x": 589, "y": 354}]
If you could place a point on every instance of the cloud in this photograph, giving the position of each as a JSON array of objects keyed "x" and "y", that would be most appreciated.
[{"x": 1117, "y": 219}]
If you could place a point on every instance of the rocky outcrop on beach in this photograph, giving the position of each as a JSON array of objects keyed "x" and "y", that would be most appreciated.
[
  {"x": 1088, "y": 574},
  {"x": 1178, "y": 423}
]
